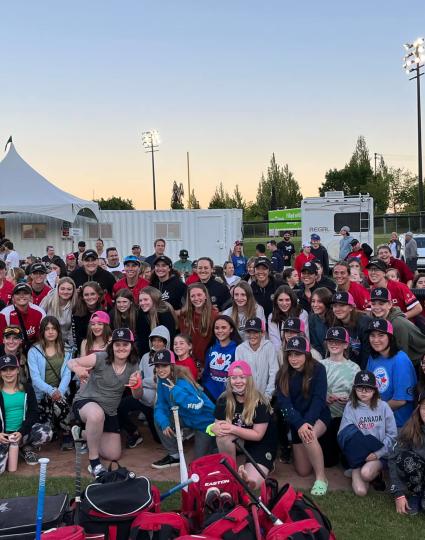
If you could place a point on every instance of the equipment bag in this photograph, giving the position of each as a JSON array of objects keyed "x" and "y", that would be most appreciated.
[
  {"x": 18, "y": 516},
  {"x": 73, "y": 532},
  {"x": 111, "y": 508},
  {"x": 306, "y": 529},
  {"x": 163, "y": 526},
  {"x": 290, "y": 506},
  {"x": 237, "y": 523},
  {"x": 211, "y": 474}
]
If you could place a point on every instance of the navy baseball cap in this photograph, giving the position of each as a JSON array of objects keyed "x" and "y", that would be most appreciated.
[
  {"x": 8, "y": 360},
  {"x": 380, "y": 293},
  {"x": 122, "y": 334},
  {"x": 298, "y": 344},
  {"x": 253, "y": 325},
  {"x": 164, "y": 357},
  {"x": 89, "y": 254},
  {"x": 315, "y": 237},
  {"x": 293, "y": 324},
  {"x": 38, "y": 267},
  {"x": 380, "y": 325},
  {"x": 262, "y": 261},
  {"x": 337, "y": 333},
  {"x": 164, "y": 259},
  {"x": 309, "y": 267},
  {"x": 365, "y": 378}
]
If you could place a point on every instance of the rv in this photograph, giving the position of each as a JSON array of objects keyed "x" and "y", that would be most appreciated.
[{"x": 326, "y": 215}]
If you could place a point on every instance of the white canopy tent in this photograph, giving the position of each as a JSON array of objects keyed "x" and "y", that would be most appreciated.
[{"x": 22, "y": 189}]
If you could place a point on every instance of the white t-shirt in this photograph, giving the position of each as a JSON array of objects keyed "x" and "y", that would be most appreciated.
[
  {"x": 12, "y": 259},
  {"x": 119, "y": 268}
]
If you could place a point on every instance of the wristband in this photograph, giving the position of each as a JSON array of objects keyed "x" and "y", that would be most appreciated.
[
  {"x": 138, "y": 383},
  {"x": 209, "y": 431}
]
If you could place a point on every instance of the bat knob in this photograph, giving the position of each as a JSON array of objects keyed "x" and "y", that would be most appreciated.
[{"x": 195, "y": 478}]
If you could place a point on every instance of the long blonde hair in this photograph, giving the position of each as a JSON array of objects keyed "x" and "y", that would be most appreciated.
[
  {"x": 158, "y": 306},
  {"x": 51, "y": 303},
  {"x": 252, "y": 399},
  {"x": 188, "y": 312},
  {"x": 250, "y": 308}
]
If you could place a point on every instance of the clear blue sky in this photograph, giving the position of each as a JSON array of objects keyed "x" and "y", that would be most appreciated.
[{"x": 229, "y": 81}]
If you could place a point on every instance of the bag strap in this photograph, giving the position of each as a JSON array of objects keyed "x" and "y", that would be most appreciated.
[
  {"x": 117, "y": 463},
  {"x": 50, "y": 365},
  {"x": 22, "y": 325}
]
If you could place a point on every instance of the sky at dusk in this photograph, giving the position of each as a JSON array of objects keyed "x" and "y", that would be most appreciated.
[{"x": 230, "y": 82}]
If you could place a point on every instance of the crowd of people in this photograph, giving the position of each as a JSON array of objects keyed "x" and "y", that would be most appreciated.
[{"x": 304, "y": 363}]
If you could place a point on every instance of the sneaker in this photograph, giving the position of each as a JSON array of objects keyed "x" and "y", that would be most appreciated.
[
  {"x": 76, "y": 432},
  {"x": 30, "y": 457},
  {"x": 134, "y": 440},
  {"x": 213, "y": 499},
  {"x": 67, "y": 442},
  {"x": 285, "y": 454},
  {"x": 414, "y": 502},
  {"x": 97, "y": 471},
  {"x": 227, "y": 502},
  {"x": 167, "y": 461}
]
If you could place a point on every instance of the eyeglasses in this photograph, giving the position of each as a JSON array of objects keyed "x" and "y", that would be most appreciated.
[{"x": 364, "y": 389}]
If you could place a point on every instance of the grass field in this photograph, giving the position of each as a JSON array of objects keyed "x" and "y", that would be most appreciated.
[{"x": 353, "y": 518}]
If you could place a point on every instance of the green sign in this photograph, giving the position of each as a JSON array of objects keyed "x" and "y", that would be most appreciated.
[{"x": 286, "y": 215}]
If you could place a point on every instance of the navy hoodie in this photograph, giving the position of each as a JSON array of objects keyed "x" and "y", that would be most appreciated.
[{"x": 217, "y": 362}]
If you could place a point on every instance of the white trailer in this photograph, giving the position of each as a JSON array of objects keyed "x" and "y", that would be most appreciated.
[{"x": 326, "y": 215}]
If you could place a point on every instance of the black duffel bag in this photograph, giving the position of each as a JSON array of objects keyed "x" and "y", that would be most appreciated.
[{"x": 18, "y": 516}]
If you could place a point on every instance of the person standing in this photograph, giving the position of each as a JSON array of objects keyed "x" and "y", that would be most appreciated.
[
  {"x": 304, "y": 257},
  {"x": 80, "y": 250},
  {"x": 411, "y": 252},
  {"x": 100, "y": 249},
  {"x": 113, "y": 263},
  {"x": 38, "y": 283},
  {"x": 344, "y": 243},
  {"x": 238, "y": 258},
  {"x": 136, "y": 251},
  {"x": 12, "y": 256},
  {"x": 320, "y": 253},
  {"x": 132, "y": 280},
  {"x": 218, "y": 291},
  {"x": 90, "y": 271},
  {"x": 183, "y": 265},
  {"x": 71, "y": 263},
  {"x": 276, "y": 258},
  {"x": 159, "y": 249},
  {"x": 48, "y": 258},
  {"x": 287, "y": 249},
  {"x": 395, "y": 245},
  {"x": 6, "y": 288}
]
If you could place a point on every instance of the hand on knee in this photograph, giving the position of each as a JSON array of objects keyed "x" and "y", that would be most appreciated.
[{"x": 359, "y": 490}]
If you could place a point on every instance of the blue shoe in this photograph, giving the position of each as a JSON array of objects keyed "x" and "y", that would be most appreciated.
[{"x": 414, "y": 502}]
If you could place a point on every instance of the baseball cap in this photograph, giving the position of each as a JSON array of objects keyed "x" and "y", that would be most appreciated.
[
  {"x": 70, "y": 257},
  {"x": 294, "y": 324},
  {"x": 38, "y": 267},
  {"x": 354, "y": 241},
  {"x": 409, "y": 233},
  {"x": 81, "y": 243},
  {"x": 365, "y": 378},
  {"x": 253, "y": 325},
  {"x": 345, "y": 228},
  {"x": 9, "y": 360},
  {"x": 337, "y": 333},
  {"x": 306, "y": 244},
  {"x": 13, "y": 331},
  {"x": 377, "y": 263},
  {"x": 164, "y": 357},
  {"x": 89, "y": 254},
  {"x": 135, "y": 246},
  {"x": 262, "y": 261},
  {"x": 380, "y": 325},
  {"x": 123, "y": 334},
  {"x": 315, "y": 237},
  {"x": 164, "y": 259},
  {"x": 380, "y": 293},
  {"x": 242, "y": 365},
  {"x": 298, "y": 344},
  {"x": 342, "y": 297},
  {"x": 183, "y": 253},
  {"x": 131, "y": 259},
  {"x": 195, "y": 263},
  {"x": 310, "y": 267},
  {"x": 100, "y": 316},
  {"x": 22, "y": 287}
]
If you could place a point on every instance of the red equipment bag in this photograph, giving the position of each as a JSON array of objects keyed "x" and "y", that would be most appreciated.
[
  {"x": 211, "y": 474},
  {"x": 197, "y": 537},
  {"x": 73, "y": 532},
  {"x": 306, "y": 529},
  {"x": 237, "y": 523},
  {"x": 163, "y": 526},
  {"x": 293, "y": 506}
]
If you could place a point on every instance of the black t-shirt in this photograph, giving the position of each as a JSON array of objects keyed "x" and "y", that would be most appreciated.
[
  {"x": 219, "y": 294},
  {"x": 262, "y": 415},
  {"x": 172, "y": 291},
  {"x": 288, "y": 250}
]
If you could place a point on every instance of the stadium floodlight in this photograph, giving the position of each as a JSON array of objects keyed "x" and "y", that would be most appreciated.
[{"x": 151, "y": 142}]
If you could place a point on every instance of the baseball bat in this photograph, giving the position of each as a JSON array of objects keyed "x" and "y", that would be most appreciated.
[
  {"x": 41, "y": 494},
  {"x": 183, "y": 466},
  {"x": 255, "y": 500},
  {"x": 192, "y": 480},
  {"x": 77, "y": 482}
]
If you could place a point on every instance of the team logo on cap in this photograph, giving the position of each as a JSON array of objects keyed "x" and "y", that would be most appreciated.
[
  {"x": 335, "y": 333},
  {"x": 160, "y": 356},
  {"x": 365, "y": 377},
  {"x": 290, "y": 322},
  {"x": 213, "y": 299},
  {"x": 120, "y": 333},
  {"x": 338, "y": 296},
  {"x": 376, "y": 324},
  {"x": 296, "y": 342},
  {"x": 252, "y": 323},
  {"x": 378, "y": 292}
]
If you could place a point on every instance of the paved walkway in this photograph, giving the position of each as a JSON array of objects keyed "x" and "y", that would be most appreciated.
[{"x": 139, "y": 460}]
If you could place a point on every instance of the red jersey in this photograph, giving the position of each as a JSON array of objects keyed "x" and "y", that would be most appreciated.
[
  {"x": 401, "y": 295},
  {"x": 6, "y": 291},
  {"x": 31, "y": 319},
  {"x": 193, "y": 278},
  {"x": 37, "y": 297},
  {"x": 360, "y": 295},
  {"x": 405, "y": 273},
  {"x": 189, "y": 363},
  {"x": 300, "y": 261},
  {"x": 122, "y": 284},
  {"x": 364, "y": 260}
]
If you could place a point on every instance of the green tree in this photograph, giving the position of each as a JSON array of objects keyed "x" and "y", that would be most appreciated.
[
  {"x": 279, "y": 189},
  {"x": 403, "y": 191},
  {"x": 177, "y": 195},
  {"x": 237, "y": 200},
  {"x": 221, "y": 198},
  {"x": 193, "y": 202},
  {"x": 357, "y": 177},
  {"x": 115, "y": 203}
]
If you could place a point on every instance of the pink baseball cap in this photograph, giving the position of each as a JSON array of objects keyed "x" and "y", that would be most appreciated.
[
  {"x": 100, "y": 316},
  {"x": 342, "y": 297},
  {"x": 242, "y": 365}
]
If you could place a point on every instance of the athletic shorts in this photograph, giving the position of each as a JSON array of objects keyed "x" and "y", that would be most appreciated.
[
  {"x": 111, "y": 424},
  {"x": 262, "y": 454}
]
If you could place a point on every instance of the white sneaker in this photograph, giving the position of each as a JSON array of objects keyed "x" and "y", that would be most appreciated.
[{"x": 97, "y": 471}]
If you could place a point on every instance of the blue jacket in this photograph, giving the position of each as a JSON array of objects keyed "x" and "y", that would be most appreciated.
[
  {"x": 195, "y": 410},
  {"x": 344, "y": 247},
  {"x": 356, "y": 446},
  {"x": 217, "y": 362},
  {"x": 296, "y": 408},
  {"x": 37, "y": 365},
  {"x": 239, "y": 264},
  {"x": 317, "y": 329}
]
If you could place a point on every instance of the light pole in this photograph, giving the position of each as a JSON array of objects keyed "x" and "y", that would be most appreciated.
[
  {"x": 413, "y": 63},
  {"x": 150, "y": 140}
]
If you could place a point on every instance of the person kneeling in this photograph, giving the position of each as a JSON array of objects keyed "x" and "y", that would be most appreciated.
[
  {"x": 96, "y": 403},
  {"x": 19, "y": 420},
  {"x": 242, "y": 412}
]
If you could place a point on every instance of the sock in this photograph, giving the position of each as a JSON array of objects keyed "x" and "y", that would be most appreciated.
[{"x": 94, "y": 463}]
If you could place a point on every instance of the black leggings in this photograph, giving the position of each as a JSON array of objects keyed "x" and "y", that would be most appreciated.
[{"x": 128, "y": 405}]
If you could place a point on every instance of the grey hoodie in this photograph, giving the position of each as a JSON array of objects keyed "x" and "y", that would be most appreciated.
[
  {"x": 147, "y": 369},
  {"x": 379, "y": 422},
  {"x": 407, "y": 335},
  {"x": 263, "y": 363}
]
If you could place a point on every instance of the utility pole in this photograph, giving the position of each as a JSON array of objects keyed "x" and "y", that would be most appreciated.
[{"x": 188, "y": 177}]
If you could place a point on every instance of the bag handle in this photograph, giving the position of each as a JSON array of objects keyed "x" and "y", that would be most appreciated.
[{"x": 27, "y": 341}]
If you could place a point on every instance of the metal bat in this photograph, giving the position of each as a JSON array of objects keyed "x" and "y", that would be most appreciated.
[
  {"x": 194, "y": 479},
  {"x": 41, "y": 494},
  {"x": 183, "y": 466}
]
